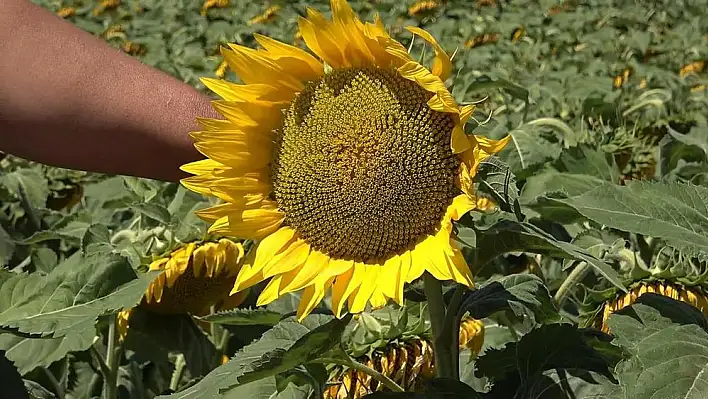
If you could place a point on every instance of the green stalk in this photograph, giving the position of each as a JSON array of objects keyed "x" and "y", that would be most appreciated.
[
  {"x": 351, "y": 363},
  {"x": 110, "y": 384},
  {"x": 442, "y": 338},
  {"x": 579, "y": 273}
]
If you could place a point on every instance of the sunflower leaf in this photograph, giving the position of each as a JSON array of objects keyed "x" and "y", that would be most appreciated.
[
  {"x": 282, "y": 336},
  {"x": 72, "y": 296},
  {"x": 496, "y": 179},
  {"x": 675, "y": 212},
  {"x": 508, "y": 236},
  {"x": 30, "y": 353},
  {"x": 512, "y": 293},
  {"x": 518, "y": 369},
  {"x": 669, "y": 345},
  {"x": 244, "y": 317}
]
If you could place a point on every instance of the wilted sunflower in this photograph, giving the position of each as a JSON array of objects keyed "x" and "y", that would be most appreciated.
[
  {"x": 348, "y": 167},
  {"x": 195, "y": 277}
]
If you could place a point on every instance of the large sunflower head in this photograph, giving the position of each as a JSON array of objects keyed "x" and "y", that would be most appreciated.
[{"x": 346, "y": 166}]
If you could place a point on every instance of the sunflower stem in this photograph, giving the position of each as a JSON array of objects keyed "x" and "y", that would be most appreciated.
[
  {"x": 579, "y": 273},
  {"x": 351, "y": 363},
  {"x": 111, "y": 380},
  {"x": 444, "y": 364}
]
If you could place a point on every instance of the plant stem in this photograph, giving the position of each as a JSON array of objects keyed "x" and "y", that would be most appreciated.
[
  {"x": 452, "y": 325},
  {"x": 179, "y": 371},
  {"x": 573, "y": 278},
  {"x": 444, "y": 364},
  {"x": 58, "y": 389},
  {"x": 387, "y": 382},
  {"x": 111, "y": 380}
]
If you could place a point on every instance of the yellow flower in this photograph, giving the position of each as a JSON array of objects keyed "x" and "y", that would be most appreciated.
[
  {"x": 268, "y": 15},
  {"x": 347, "y": 167},
  {"x": 422, "y": 6},
  {"x": 408, "y": 364},
  {"x": 66, "y": 12},
  {"x": 213, "y": 4},
  {"x": 472, "y": 335},
  {"x": 196, "y": 276},
  {"x": 694, "y": 296}
]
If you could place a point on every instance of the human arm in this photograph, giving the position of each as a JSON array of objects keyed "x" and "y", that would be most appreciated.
[{"x": 70, "y": 100}]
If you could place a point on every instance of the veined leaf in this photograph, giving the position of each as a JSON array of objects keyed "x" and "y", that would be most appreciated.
[
  {"x": 244, "y": 317},
  {"x": 72, "y": 296},
  {"x": 675, "y": 212},
  {"x": 7, "y": 247},
  {"x": 518, "y": 369},
  {"x": 496, "y": 179},
  {"x": 507, "y": 236},
  {"x": 669, "y": 346},
  {"x": 29, "y": 353},
  {"x": 29, "y": 183},
  {"x": 512, "y": 293},
  {"x": 283, "y": 336}
]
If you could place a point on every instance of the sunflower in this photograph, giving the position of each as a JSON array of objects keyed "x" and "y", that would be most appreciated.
[
  {"x": 694, "y": 296},
  {"x": 195, "y": 277},
  {"x": 346, "y": 167}
]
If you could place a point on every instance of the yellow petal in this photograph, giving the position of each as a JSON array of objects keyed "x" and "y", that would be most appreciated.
[
  {"x": 366, "y": 289},
  {"x": 252, "y": 93},
  {"x": 202, "y": 167},
  {"x": 316, "y": 263},
  {"x": 293, "y": 257},
  {"x": 390, "y": 276},
  {"x": 339, "y": 288},
  {"x": 295, "y": 60},
  {"x": 255, "y": 67},
  {"x": 316, "y": 33},
  {"x": 270, "y": 292},
  {"x": 311, "y": 296},
  {"x": 442, "y": 66},
  {"x": 252, "y": 224},
  {"x": 271, "y": 245}
]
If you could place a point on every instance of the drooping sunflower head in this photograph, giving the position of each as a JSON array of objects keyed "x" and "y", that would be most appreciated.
[
  {"x": 194, "y": 277},
  {"x": 347, "y": 166}
]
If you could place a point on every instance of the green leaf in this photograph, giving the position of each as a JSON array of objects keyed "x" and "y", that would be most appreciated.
[
  {"x": 37, "y": 391},
  {"x": 72, "y": 296},
  {"x": 507, "y": 236},
  {"x": 697, "y": 136},
  {"x": 153, "y": 337},
  {"x": 29, "y": 353},
  {"x": 528, "y": 149},
  {"x": 283, "y": 336},
  {"x": 44, "y": 259},
  {"x": 244, "y": 317},
  {"x": 519, "y": 368},
  {"x": 308, "y": 347},
  {"x": 584, "y": 160},
  {"x": 675, "y": 212},
  {"x": 153, "y": 211},
  {"x": 96, "y": 235},
  {"x": 7, "y": 247},
  {"x": 512, "y": 293},
  {"x": 12, "y": 384},
  {"x": 485, "y": 83},
  {"x": 669, "y": 346},
  {"x": 29, "y": 183},
  {"x": 496, "y": 179}
]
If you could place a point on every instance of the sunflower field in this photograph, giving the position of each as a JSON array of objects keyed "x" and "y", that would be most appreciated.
[{"x": 405, "y": 199}]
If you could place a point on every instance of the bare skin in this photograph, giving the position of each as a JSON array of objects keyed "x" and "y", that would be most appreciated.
[{"x": 70, "y": 100}]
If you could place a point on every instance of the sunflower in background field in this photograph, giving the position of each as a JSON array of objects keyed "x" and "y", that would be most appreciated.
[
  {"x": 195, "y": 277},
  {"x": 347, "y": 167},
  {"x": 670, "y": 273}
]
